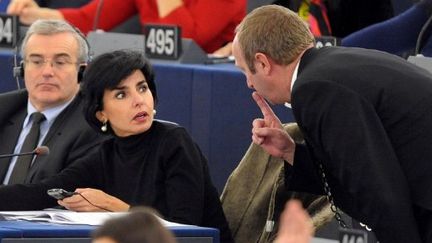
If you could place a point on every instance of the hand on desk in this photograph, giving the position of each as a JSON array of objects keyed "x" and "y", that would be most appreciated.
[
  {"x": 93, "y": 200},
  {"x": 29, "y": 11},
  {"x": 269, "y": 133},
  {"x": 224, "y": 51}
]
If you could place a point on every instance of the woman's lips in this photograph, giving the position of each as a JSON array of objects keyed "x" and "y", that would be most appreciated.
[{"x": 141, "y": 116}]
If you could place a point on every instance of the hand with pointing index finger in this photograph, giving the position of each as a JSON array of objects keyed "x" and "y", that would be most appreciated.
[{"x": 269, "y": 133}]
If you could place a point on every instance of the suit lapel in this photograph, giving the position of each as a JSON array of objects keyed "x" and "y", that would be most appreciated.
[
  {"x": 55, "y": 131},
  {"x": 60, "y": 121},
  {"x": 9, "y": 137}
]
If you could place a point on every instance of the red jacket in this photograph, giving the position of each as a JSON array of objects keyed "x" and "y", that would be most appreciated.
[{"x": 210, "y": 23}]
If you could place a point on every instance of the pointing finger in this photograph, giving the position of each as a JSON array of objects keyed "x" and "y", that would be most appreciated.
[{"x": 263, "y": 105}]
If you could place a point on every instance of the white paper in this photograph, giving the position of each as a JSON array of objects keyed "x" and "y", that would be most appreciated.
[{"x": 70, "y": 217}]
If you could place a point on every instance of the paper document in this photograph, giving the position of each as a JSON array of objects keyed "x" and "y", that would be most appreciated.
[
  {"x": 61, "y": 216},
  {"x": 69, "y": 217}
]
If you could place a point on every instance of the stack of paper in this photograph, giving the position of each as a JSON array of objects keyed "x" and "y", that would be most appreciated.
[{"x": 69, "y": 217}]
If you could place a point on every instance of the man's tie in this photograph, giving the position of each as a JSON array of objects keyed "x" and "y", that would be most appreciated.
[{"x": 23, "y": 163}]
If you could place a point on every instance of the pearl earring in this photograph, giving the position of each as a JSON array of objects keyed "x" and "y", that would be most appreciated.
[
  {"x": 154, "y": 112},
  {"x": 104, "y": 127}
]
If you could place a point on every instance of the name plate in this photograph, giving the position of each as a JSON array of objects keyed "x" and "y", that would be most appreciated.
[
  {"x": 8, "y": 31},
  {"x": 323, "y": 41},
  {"x": 352, "y": 236},
  {"x": 162, "y": 41}
]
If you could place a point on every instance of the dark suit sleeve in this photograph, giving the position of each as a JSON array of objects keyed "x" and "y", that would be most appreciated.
[
  {"x": 346, "y": 135},
  {"x": 302, "y": 175}
]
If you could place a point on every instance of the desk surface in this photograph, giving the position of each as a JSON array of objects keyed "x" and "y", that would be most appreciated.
[
  {"x": 32, "y": 230},
  {"x": 212, "y": 102}
]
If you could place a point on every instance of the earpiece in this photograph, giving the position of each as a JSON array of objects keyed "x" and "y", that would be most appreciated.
[
  {"x": 18, "y": 71},
  {"x": 81, "y": 72}
]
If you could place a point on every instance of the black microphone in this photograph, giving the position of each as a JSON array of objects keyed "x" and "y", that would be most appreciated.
[
  {"x": 42, "y": 150},
  {"x": 17, "y": 69},
  {"x": 97, "y": 15}
]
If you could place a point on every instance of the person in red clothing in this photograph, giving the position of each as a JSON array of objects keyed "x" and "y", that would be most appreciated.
[{"x": 210, "y": 23}]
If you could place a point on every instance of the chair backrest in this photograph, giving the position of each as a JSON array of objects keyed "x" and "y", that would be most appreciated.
[{"x": 400, "y": 6}]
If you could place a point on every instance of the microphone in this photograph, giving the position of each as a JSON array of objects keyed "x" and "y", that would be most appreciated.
[
  {"x": 17, "y": 69},
  {"x": 40, "y": 151},
  {"x": 97, "y": 15}
]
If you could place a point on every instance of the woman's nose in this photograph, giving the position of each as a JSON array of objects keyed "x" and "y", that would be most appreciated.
[{"x": 138, "y": 99}]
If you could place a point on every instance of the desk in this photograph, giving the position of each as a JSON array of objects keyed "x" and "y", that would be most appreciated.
[
  {"x": 212, "y": 102},
  {"x": 22, "y": 231}
]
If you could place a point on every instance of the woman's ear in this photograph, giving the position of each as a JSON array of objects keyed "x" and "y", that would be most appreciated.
[{"x": 101, "y": 116}]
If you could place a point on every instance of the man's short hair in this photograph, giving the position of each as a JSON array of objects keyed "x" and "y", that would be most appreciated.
[
  {"x": 51, "y": 27},
  {"x": 275, "y": 31}
]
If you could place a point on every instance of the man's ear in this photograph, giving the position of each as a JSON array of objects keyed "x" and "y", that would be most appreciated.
[{"x": 262, "y": 63}]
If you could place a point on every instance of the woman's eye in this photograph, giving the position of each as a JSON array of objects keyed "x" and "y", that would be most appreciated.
[
  {"x": 120, "y": 95},
  {"x": 143, "y": 88}
]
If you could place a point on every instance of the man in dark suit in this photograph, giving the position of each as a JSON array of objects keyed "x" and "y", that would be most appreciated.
[
  {"x": 366, "y": 117},
  {"x": 53, "y": 56}
]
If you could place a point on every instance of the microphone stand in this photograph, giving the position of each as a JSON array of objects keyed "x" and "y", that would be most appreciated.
[{"x": 20, "y": 154}]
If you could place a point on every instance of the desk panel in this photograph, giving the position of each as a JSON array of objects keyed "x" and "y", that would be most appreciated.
[
  {"x": 174, "y": 87},
  {"x": 23, "y": 231},
  {"x": 229, "y": 121},
  {"x": 212, "y": 102}
]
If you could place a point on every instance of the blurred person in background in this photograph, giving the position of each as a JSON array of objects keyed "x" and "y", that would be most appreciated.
[
  {"x": 142, "y": 225},
  {"x": 210, "y": 23}
]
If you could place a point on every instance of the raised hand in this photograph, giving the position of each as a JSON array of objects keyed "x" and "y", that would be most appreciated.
[
  {"x": 269, "y": 133},
  {"x": 295, "y": 224}
]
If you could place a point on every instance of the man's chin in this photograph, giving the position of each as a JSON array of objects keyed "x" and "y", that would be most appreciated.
[{"x": 47, "y": 101}]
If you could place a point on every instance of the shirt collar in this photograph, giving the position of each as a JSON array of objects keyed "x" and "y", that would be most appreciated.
[
  {"x": 50, "y": 114},
  {"x": 293, "y": 79}
]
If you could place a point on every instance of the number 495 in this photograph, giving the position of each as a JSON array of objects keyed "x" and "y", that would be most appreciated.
[{"x": 161, "y": 41}]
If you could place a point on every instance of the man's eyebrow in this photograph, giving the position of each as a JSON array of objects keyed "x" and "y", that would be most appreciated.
[
  {"x": 55, "y": 55},
  {"x": 62, "y": 55},
  {"x": 36, "y": 55}
]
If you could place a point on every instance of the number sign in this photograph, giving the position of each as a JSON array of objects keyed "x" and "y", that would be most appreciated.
[
  {"x": 323, "y": 41},
  {"x": 8, "y": 31},
  {"x": 162, "y": 41},
  {"x": 352, "y": 236}
]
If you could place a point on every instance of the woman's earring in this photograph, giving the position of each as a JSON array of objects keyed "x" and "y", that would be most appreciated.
[
  {"x": 154, "y": 112},
  {"x": 104, "y": 127}
]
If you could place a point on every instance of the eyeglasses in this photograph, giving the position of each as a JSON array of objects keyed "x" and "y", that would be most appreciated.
[{"x": 60, "y": 63}]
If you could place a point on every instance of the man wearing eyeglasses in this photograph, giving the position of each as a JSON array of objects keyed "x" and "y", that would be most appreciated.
[{"x": 48, "y": 112}]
